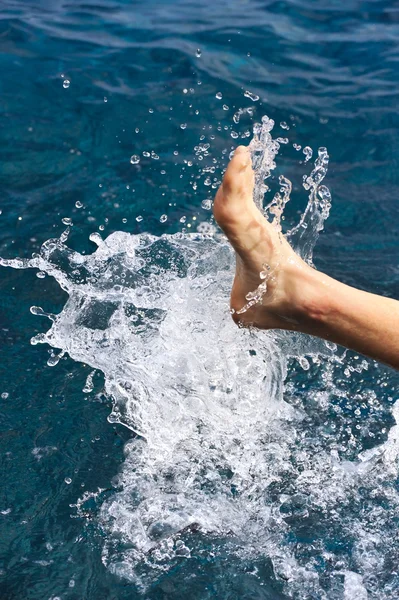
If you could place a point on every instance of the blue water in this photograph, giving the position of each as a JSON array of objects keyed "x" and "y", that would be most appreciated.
[{"x": 330, "y": 69}]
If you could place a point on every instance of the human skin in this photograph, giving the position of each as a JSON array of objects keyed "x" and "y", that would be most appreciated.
[{"x": 298, "y": 297}]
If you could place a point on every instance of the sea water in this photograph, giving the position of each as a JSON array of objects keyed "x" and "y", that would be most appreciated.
[{"x": 226, "y": 463}]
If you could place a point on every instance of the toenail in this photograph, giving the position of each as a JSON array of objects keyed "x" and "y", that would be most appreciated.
[{"x": 241, "y": 149}]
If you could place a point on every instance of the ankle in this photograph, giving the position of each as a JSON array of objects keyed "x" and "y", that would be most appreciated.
[{"x": 314, "y": 293}]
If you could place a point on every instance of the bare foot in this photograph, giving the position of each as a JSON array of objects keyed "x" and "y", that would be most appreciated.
[
  {"x": 296, "y": 297},
  {"x": 263, "y": 255}
]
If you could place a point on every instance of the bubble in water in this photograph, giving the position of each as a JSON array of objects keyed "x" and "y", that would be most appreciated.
[
  {"x": 78, "y": 204},
  {"x": 134, "y": 159},
  {"x": 251, "y": 96},
  {"x": 5, "y": 395},
  {"x": 41, "y": 274},
  {"x": 225, "y": 107},
  {"x": 67, "y": 221},
  {"x": 146, "y": 154},
  {"x": 198, "y": 52},
  {"x": 183, "y": 126},
  {"x": 66, "y": 83},
  {"x": 219, "y": 95},
  {"x": 296, "y": 146},
  {"x": 154, "y": 155},
  {"x": 284, "y": 125},
  {"x": 163, "y": 218},
  {"x": 68, "y": 480},
  {"x": 139, "y": 218}
]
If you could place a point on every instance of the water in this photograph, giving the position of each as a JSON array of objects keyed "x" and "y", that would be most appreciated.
[{"x": 166, "y": 453}]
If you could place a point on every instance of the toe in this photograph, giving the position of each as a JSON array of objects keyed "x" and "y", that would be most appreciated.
[
  {"x": 238, "y": 178},
  {"x": 234, "y": 198}
]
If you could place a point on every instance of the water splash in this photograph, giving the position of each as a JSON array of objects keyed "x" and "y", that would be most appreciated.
[{"x": 225, "y": 458}]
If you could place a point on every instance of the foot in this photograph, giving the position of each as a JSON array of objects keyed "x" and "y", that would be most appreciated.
[{"x": 263, "y": 256}]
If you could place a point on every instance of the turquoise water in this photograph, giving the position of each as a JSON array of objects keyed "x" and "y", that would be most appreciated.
[{"x": 290, "y": 494}]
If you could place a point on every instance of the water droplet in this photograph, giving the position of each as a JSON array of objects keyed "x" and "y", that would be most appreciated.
[
  {"x": 134, "y": 159},
  {"x": 66, "y": 83},
  {"x": 96, "y": 238},
  {"x": 163, "y": 218},
  {"x": 206, "y": 204},
  {"x": 330, "y": 345},
  {"x": 219, "y": 95},
  {"x": 89, "y": 386},
  {"x": 308, "y": 153},
  {"x": 55, "y": 359},
  {"x": 304, "y": 363},
  {"x": 251, "y": 96},
  {"x": 40, "y": 338},
  {"x": 198, "y": 53},
  {"x": 183, "y": 126}
]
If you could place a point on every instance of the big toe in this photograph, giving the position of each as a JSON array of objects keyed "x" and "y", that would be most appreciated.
[
  {"x": 238, "y": 180},
  {"x": 235, "y": 195}
]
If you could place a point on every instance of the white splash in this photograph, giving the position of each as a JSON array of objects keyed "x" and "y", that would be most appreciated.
[{"x": 224, "y": 450}]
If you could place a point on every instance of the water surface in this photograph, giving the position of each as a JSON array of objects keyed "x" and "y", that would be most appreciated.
[{"x": 325, "y": 513}]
